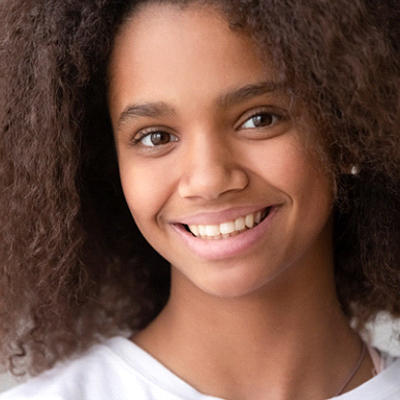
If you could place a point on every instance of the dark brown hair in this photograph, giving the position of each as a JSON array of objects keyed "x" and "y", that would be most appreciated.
[{"x": 74, "y": 267}]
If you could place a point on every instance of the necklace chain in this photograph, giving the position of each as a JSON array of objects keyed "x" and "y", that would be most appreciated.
[{"x": 354, "y": 370}]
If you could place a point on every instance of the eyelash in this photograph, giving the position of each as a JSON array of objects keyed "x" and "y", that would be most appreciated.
[
  {"x": 275, "y": 118},
  {"x": 146, "y": 133}
]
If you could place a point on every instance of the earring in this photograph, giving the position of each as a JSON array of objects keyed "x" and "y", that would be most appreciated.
[{"x": 355, "y": 169}]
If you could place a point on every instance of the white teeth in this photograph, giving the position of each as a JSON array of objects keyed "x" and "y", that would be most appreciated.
[
  {"x": 250, "y": 220},
  {"x": 227, "y": 229},
  {"x": 194, "y": 229},
  {"x": 240, "y": 224},
  {"x": 202, "y": 230},
  {"x": 212, "y": 230}
]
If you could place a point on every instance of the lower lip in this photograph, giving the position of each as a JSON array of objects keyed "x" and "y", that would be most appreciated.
[{"x": 218, "y": 249}]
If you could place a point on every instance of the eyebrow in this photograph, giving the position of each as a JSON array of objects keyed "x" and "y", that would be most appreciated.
[
  {"x": 225, "y": 100},
  {"x": 236, "y": 96},
  {"x": 150, "y": 110}
]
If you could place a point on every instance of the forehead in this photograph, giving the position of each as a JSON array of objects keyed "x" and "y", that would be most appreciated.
[
  {"x": 162, "y": 42},
  {"x": 150, "y": 19}
]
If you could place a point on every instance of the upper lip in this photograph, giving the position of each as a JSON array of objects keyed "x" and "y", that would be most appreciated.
[{"x": 218, "y": 217}]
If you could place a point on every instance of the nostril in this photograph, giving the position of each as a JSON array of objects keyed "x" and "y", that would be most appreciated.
[{"x": 211, "y": 184}]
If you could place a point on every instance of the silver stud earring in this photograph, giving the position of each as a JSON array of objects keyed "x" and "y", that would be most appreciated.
[{"x": 355, "y": 169}]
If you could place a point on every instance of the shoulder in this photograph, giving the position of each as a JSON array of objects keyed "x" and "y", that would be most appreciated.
[
  {"x": 116, "y": 369},
  {"x": 384, "y": 386},
  {"x": 99, "y": 374}
]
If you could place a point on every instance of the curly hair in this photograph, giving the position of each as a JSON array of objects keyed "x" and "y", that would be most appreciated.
[{"x": 74, "y": 267}]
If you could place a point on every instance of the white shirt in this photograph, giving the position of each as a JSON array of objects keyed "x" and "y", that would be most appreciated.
[{"x": 120, "y": 370}]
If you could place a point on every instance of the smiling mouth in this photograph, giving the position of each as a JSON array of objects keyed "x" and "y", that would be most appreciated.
[{"x": 229, "y": 228}]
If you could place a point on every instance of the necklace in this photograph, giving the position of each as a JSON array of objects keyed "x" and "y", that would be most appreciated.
[{"x": 354, "y": 370}]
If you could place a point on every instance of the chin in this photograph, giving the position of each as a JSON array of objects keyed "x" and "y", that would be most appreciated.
[{"x": 232, "y": 283}]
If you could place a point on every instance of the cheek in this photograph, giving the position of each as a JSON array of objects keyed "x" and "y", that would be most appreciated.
[
  {"x": 310, "y": 191},
  {"x": 286, "y": 165},
  {"x": 301, "y": 176},
  {"x": 145, "y": 190},
  {"x": 296, "y": 173}
]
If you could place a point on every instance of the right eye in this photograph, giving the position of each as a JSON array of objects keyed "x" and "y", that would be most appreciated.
[
  {"x": 155, "y": 138},
  {"x": 260, "y": 120}
]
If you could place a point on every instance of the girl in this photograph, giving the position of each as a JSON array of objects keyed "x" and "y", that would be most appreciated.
[{"x": 256, "y": 146}]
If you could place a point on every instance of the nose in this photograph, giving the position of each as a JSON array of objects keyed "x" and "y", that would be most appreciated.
[{"x": 210, "y": 170}]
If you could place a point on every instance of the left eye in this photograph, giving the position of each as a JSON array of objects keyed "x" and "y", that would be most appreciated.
[
  {"x": 154, "y": 139},
  {"x": 259, "y": 120}
]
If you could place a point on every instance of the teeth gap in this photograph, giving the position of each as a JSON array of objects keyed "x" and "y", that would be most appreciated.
[
  {"x": 188, "y": 230},
  {"x": 265, "y": 214}
]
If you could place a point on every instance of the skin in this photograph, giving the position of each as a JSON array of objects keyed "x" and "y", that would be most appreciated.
[{"x": 257, "y": 315}]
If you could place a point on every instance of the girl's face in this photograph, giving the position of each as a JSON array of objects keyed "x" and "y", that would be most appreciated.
[{"x": 212, "y": 166}]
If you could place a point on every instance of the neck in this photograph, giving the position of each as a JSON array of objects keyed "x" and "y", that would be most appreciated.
[{"x": 279, "y": 342}]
